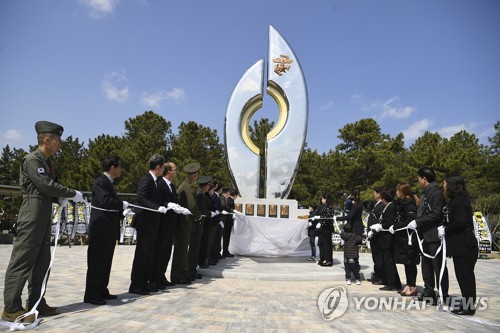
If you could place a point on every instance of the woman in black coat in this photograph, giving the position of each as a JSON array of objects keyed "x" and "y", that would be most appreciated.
[
  {"x": 354, "y": 217},
  {"x": 324, "y": 231},
  {"x": 461, "y": 243},
  {"x": 406, "y": 254}
]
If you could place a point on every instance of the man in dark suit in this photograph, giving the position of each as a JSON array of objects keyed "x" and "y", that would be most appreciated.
[
  {"x": 429, "y": 218},
  {"x": 147, "y": 224},
  {"x": 228, "y": 223},
  {"x": 104, "y": 231},
  {"x": 168, "y": 225},
  {"x": 378, "y": 277}
]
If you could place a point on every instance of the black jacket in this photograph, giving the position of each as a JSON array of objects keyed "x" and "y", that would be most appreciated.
[
  {"x": 351, "y": 242},
  {"x": 354, "y": 218},
  {"x": 460, "y": 238},
  {"x": 404, "y": 253},
  {"x": 430, "y": 212},
  {"x": 374, "y": 218},
  {"x": 105, "y": 225},
  {"x": 388, "y": 218}
]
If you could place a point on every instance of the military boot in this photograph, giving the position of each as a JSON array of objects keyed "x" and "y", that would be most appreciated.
[
  {"x": 12, "y": 316},
  {"x": 45, "y": 310}
]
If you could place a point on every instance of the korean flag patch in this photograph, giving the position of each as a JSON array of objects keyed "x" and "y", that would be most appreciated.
[{"x": 40, "y": 170}]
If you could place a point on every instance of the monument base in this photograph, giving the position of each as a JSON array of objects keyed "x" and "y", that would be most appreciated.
[{"x": 272, "y": 208}]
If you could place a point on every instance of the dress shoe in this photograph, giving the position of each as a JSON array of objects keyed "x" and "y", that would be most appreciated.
[
  {"x": 199, "y": 276},
  {"x": 461, "y": 312},
  {"x": 204, "y": 265},
  {"x": 405, "y": 290},
  {"x": 154, "y": 287},
  {"x": 228, "y": 255},
  {"x": 94, "y": 301},
  {"x": 411, "y": 292},
  {"x": 377, "y": 283},
  {"x": 327, "y": 264},
  {"x": 182, "y": 282},
  {"x": 388, "y": 288},
  {"x": 169, "y": 284},
  {"x": 138, "y": 291},
  {"x": 432, "y": 300},
  {"x": 109, "y": 296}
]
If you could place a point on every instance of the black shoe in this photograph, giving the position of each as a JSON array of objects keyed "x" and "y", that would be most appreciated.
[
  {"x": 138, "y": 291},
  {"x": 464, "y": 312},
  {"x": 109, "y": 296},
  {"x": 169, "y": 284},
  {"x": 228, "y": 255},
  {"x": 199, "y": 276},
  {"x": 95, "y": 301},
  {"x": 388, "y": 288},
  {"x": 182, "y": 282},
  {"x": 204, "y": 265},
  {"x": 212, "y": 262},
  {"x": 432, "y": 300},
  {"x": 377, "y": 283},
  {"x": 154, "y": 287}
]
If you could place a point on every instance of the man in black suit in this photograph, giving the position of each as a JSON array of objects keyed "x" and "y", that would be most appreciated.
[
  {"x": 168, "y": 225},
  {"x": 378, "y": 277},
  {"x": 147, "y": 224},
  {"x": 104, "y": 231},
  {"x": 429, "y": 218},
  {"x": 228, "y": 224}
]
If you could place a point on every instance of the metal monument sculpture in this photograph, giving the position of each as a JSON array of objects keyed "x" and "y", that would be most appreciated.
[{"x": 285, "y": 142}]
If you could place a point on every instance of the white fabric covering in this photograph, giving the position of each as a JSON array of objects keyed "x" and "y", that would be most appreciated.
[{"x": 269, "y": 237}]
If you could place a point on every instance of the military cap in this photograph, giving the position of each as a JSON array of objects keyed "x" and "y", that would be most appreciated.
[
  {"x": 204, "y": 180},
  {"x": 192, "y": 168},
  {"x": 48, "y": 127}
]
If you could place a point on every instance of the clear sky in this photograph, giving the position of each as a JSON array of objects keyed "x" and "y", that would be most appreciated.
[{"x": 92, "y": 64}]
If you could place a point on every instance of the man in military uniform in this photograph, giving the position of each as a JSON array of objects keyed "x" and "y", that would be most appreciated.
[
  {"x": 30, "y": 257},
  {"x": 187, "y": 198}
]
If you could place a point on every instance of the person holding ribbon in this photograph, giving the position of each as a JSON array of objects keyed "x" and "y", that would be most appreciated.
[
  {"x": 104, "y": 231},
  {"x": 461, "y": 243},
  {"x": 30, "y": 259},
  {"x": 324, "y": 226},
  {"x": 429, "y": 218}
]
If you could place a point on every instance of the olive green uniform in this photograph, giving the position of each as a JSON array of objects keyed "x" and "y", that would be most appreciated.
[
  {"x": 187, "y": 199},
  {"x": 30, "y": 257}
]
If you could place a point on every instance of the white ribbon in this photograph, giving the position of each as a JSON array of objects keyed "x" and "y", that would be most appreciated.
[{"x": 17, "y": 325}]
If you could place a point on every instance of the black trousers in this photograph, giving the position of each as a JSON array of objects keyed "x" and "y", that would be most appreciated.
[
  {"x": 389, "y": 268},
  {"x": 325, "y": 245},
  {"x": 464, "y": 271},
  {"x": 351, "y": 265},
  {"x": 99, "y": 259},
  {"x": 163, "y": 250},
  {"x": 194, "y": 248},
  {"x": 431, "y": 269},
  {"x": 226, "y": 234},
  {"x": 142, "y": 268},
  {"x": 179, "y": 269},
  {"x": 411, "y": 275},
  {"x": 217, "y": 246},
  {"x": 207, "y": 242}
]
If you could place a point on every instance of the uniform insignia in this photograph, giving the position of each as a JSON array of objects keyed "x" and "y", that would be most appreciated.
[{"x": 40, "y": 170}]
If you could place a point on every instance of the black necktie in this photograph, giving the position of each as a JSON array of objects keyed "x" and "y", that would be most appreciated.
[{"x": 172, "y": 188}]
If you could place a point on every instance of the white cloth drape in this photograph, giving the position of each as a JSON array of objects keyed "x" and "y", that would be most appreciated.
[{"x": 269, "y": 237}]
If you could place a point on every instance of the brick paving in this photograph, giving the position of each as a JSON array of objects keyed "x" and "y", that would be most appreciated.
[{"x": 245, "y": 294}]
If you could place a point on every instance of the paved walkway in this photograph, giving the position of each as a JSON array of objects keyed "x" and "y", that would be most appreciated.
[{"x": 248, "y": 295}]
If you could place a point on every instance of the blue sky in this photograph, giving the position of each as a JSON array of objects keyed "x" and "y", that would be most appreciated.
[{"x": 92, "y": 64}]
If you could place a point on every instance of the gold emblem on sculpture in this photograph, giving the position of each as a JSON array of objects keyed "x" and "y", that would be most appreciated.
[{"x": 282, "y": 64}]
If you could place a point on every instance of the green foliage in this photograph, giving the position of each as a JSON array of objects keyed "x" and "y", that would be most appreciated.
[{"x": 365, "y": 158}]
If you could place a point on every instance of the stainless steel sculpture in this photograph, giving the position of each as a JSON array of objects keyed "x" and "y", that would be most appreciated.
[{"x": 285, "y": 142}]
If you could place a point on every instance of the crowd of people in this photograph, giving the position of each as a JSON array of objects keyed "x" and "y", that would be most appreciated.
[
  {"x": 195, "y": 221},
  {"x": 398, "y": 222}
]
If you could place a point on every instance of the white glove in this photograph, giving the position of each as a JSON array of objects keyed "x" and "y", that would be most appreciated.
[
  {"x": 376, "y": 227},
  {"x": 213, "y": 214},
  {"x": 78, "y": 197},
  {"x": 318, "y": 225},
  {"x": 127, "y": 212},
  {"x": 221, "y": 224},
  {"x": 224, "y": 212},
  {"x": 125, "y": 205},
  {"x": 441, "y": 232},
  {"x": 316, "y": 217},
  {"x": 172, "y": 205},
  {"x": 412, "y": 225},
  {"x": 310, "y": 224},
  {"x": 182, "y": 210},
  {"x": 217, "y": 212},
  {"x": 162, "y": 209},
  {"x": 63, "y": 202},
  {"x": 391, "y": 229},
  {"x": 370, "y": 234},
  {"x": 236, "y": 211}
]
